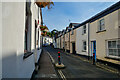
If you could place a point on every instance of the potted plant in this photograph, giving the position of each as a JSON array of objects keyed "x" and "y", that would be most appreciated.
[{"x": 43, "y": 27}]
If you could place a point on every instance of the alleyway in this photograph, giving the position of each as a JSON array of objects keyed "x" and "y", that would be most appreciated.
[{"x": 76, "y": 68}]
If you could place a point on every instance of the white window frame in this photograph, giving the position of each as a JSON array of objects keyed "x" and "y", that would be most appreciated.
[
  {"x": 84, "y": 29},
  {"x": 101, "y": 26},
  {"x": 113, "y": 56}
]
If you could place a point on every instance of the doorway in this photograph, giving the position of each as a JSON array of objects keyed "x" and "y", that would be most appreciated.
[
  {"x": 93, "y": 48},
  {"x": 73, "y": 48}
]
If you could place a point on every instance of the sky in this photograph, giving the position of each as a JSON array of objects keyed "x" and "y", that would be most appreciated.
[{"x": 63, "y": 13}]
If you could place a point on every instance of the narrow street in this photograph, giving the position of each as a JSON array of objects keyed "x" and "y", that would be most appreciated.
[
  {"x": 76, "y": 68},
  {"x": 60, "y": 39}
]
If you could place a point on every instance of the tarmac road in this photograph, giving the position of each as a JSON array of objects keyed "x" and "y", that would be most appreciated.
[{"x": 77, "y": 68}]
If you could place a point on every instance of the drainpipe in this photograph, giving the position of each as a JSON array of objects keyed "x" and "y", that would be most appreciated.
[
  {"x": 55, "y": 40},
  {"x": 88, "y": 41},
  {"x": 69, "y": 40},
  {"x": 64, "y": 41}
]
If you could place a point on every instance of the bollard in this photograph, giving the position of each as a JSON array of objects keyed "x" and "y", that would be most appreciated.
[
  {"x": 93, "y": 58},
  {"x": 59, "y": 62}
]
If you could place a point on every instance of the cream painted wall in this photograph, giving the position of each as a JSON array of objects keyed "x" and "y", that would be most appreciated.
[
  {"x": 62, "y": 42},
  {"x": 111, "y": 26},
  {"x": 72, "y": 39},
  {"x": 68, "y": 47},
  {"x": 79, "y": 40},
  {"x": 119, "y": 22},
  {"x": 57, "y": 42},
  {"x": 67, "y": 36},
  {"x": 67, "y": 41}
]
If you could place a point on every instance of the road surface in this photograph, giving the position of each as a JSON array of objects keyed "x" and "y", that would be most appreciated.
[{"x": 77, "y": 68}]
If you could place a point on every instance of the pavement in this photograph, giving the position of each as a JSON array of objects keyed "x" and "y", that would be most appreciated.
[{"x": 46, "y": 69}]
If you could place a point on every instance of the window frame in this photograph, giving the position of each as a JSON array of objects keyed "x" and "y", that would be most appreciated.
[
  {"x": 101, "y": 26},
  {"x": 84, "y": 46},
  {"x": 112, "y": 48},
  {"x": 27, "y": 31},
  {"x": 84, "y": 28}
]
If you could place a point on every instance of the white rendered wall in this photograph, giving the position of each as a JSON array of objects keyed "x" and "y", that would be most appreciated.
[
  {"x": 13, "y": 64},
  {"x": 0, "y": 40},
  {"x": 34, "y": 9},
  {"x": 35, "y": 12},
  {"x": 79, "y": 40},
  {"x": 48, "y": 40},
  {"x": 54, "y": 43}
]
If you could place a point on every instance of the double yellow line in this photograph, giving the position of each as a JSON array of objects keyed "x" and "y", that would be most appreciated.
[
  {"x": 59, "y": 71},
  {"x": 62, "y": 75}
]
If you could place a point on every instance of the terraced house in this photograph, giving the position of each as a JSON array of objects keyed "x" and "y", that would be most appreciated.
[
  {"x": 62, "y": 40},
  {"x": 99, "y": 35},
  {"x": 105, "y": 34},
  {"x": 82, "y": 39},
  {"x": 73, "y": 27},
  {"x": 67, "y": 40},
  {"x": 58, "y": 40}
]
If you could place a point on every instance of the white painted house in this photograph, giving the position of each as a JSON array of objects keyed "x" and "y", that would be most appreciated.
[
  {"x": 0, "y": 41},
  {"x": 47, "y": 40},
  {"x": 82, "y": 39},
  {"x": 54, "y": 42},
  {"x": 20, "y": 39},
  {"x": 59, "y": 41}
]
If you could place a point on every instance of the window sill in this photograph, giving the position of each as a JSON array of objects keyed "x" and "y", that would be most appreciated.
[
  {"x": 83, "y": 50},
  {"x": 83, "y": 33},
  {"x": 113, "y": 58},
  {"x": 27, "y": 54},
  {"x": 101, "y": 31}
]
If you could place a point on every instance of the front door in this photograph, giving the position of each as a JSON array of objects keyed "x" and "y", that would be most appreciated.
[
  {"x": 93, "y": 48},
  {"x": 73, "y": 48}
]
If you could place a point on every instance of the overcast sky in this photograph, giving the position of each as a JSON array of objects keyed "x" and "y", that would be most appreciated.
[{"x": 62, "y": 13}]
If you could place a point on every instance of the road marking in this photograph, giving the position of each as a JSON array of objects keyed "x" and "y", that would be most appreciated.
[
  {"x": 53, "y": 61},
  {"x": 59, "y": 71},
  {"x": 62, "y": 75}
]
